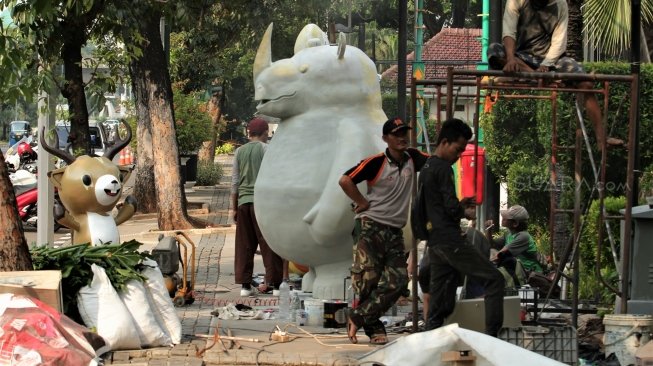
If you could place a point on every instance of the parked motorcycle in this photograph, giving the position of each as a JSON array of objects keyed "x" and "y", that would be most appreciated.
[
  {"x": 25, "y": 188},
  {"x": 23, "y": 156}
]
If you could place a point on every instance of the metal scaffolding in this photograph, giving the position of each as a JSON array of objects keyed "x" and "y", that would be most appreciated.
[{"x": 548, "y": 83}]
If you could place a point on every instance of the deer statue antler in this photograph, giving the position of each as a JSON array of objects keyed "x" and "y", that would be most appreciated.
[{"x": 63, "y": 155}]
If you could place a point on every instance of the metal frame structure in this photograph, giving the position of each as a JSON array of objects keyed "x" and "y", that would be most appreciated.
[{"x": 544, "y": 84}]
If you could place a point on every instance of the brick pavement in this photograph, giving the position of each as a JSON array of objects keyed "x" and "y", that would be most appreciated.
[{"x": 214, "y": 287}]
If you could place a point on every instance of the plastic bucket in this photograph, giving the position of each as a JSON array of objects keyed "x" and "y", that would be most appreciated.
[
  {"x": 625, "y": 333},
  {"x": 314, "y": 311}
]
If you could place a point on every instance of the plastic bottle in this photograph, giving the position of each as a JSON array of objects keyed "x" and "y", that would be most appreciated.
[
  {"x": 284, "y": 301},
  {"x": 294, "y": 305}
]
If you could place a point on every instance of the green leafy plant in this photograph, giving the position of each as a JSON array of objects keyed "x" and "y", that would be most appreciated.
[
  {"x": 120, "y": 262},
  {"x": 226, "y": 148},
  {"x": 192, "y": 123},
  {"x": 590, "y": 286},
  {"x": 208, "y": 174}
]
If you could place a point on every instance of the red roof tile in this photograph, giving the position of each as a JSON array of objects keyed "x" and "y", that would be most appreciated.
[{"x": 450, "y": 44}]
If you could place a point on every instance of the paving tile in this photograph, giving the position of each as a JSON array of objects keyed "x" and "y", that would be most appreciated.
[
  {"x": 120, "y": 356},
  {"x": 159, "y": 352},
  {"x": 157, "y": 362},
  {"x": 138, "y": 353}
]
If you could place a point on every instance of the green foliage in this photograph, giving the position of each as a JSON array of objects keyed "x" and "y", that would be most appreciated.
[
  {"x": 608, "y": 22},
  {"x": 219, "y": 49},
  {"x": 120, "y": 262},
  {"x": 518, "y": 139},
  {"x": 590, "y": 287},
  {"x": 191, "y": 122},
  {"x": 389, "y": 104},
  {"x": 208, "y": 174},
  {"x": 18, "y": 67},
  {"x": 226, "y": 148}
]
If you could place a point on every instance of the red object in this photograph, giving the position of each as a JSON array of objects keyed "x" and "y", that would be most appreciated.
[
  {"x": 467, "y": 163},
  {"x": 26, "y": 202},
  {"x": 24, "y": 148}
]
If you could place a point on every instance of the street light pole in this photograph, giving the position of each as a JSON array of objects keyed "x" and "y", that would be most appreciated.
[
  {"x": 45, "y": 199},
  {"x": 401, "y": 60}
]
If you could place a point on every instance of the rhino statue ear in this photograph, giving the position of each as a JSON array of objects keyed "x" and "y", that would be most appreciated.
[
  {"x": 342, "y": 44},
  {"x": 310, "y": 36}
]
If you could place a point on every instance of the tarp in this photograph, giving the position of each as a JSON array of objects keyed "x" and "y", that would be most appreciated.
[
  {"x": 33, "y": 333},
  {"x": 426, "y": 348}
]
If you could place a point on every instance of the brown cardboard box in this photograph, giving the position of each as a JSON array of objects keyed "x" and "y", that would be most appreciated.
[
  {"x": 644, "y": 355},
  {"x": 43, "y": 285}
]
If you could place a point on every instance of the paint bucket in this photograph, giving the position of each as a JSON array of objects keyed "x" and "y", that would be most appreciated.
[
  {"x": 314, "y": 311},
  {"x": 335, "y": 314},
  {"x": 625, "y": 333}
]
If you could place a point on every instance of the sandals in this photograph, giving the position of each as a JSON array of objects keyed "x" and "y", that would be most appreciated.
[
  {"x": 378, "y": 339},
  {"x": 351, "y": 331}
]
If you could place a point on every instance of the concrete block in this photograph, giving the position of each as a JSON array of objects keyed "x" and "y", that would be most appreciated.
[
  {"x": 138, "y": 353},
  {"x": 194, "y": 362},
  {"x": 159, "y": 352},
  {"x": 245, "y": 358},
  {"x": 158, "y": 362},
  {"x": 177, "y": 361},
  {"x": 179, "y": 351},
  {"x": 120, "y": 356}
]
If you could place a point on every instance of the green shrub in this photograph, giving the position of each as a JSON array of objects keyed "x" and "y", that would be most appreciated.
[
  {"x": 590, "y": 287},
  {"x": 192, "y": 123},
  {"x": 226, "y": 148},
  {"x": 208, "y": 174}
]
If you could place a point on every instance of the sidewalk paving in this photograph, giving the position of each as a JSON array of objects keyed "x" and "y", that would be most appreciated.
[{"x": 215, "y": 287}]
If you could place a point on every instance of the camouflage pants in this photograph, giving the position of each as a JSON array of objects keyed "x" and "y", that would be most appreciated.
[
  {"x": 498, "y": 51},
  {"x": 379, "y": 274}
]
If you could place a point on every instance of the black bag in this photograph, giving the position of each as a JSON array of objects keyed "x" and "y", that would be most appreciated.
[{"x": 419, "y": 221}]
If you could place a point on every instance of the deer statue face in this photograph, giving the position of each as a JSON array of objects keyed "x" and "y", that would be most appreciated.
[
  {"x": 89, "y": 188},
  {"x": 90, "y": 184}
]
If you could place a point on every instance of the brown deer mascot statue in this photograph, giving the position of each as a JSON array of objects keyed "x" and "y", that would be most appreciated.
[{"x": 89, "y": 188}]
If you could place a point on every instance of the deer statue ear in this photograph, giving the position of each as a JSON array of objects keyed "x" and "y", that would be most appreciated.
[{"x": 56, "y": 176}]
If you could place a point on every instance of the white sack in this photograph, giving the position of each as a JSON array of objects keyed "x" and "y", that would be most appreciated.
[
  {"x": 162, "y": 306},
  {"x": 101, "y": 309},
  {"x": 151, "y": 333}
]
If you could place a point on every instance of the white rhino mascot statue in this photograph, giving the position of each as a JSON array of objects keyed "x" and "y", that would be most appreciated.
[{"x": 328, "y": 100}]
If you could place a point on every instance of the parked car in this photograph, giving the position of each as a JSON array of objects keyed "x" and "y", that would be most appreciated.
[
  {"x": 97, "y": 139},
  {"x": 18, "y": 130}
]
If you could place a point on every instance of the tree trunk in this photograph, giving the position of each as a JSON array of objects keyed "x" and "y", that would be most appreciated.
[
  {"x": 458, "y": 13},
  {"x": 144, "y": 183},
  {"x": 152, "y": 68},
  {"x": 575, "y": 30},
  {"x": 207, "y": 151},
  {"x": 75, "y": 35},
  {"x": 433, "y": 16},
  {"x": 14, "y": 253},
  {"x": 73, "y": 91}
]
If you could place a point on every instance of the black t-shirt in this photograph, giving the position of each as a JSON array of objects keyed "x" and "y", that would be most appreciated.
[{"x": 442, "y": 205}]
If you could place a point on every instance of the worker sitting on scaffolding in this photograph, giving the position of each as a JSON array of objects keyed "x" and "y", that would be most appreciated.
[{"x": 535, "y": 39}]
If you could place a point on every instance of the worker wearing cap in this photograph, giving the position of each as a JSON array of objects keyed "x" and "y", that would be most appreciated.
[
  {"x": 517, "y": 243},
  {"x": 379, "y": 274},
  {"x": 246, "y": 165}
]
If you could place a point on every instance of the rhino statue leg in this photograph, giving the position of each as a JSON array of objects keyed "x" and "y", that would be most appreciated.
[{"x": 329, "y": 280}]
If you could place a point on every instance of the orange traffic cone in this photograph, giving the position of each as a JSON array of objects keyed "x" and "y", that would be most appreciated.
[
  {"x": 130, "y": 155},
  {"x": 123, "y": 157}
]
